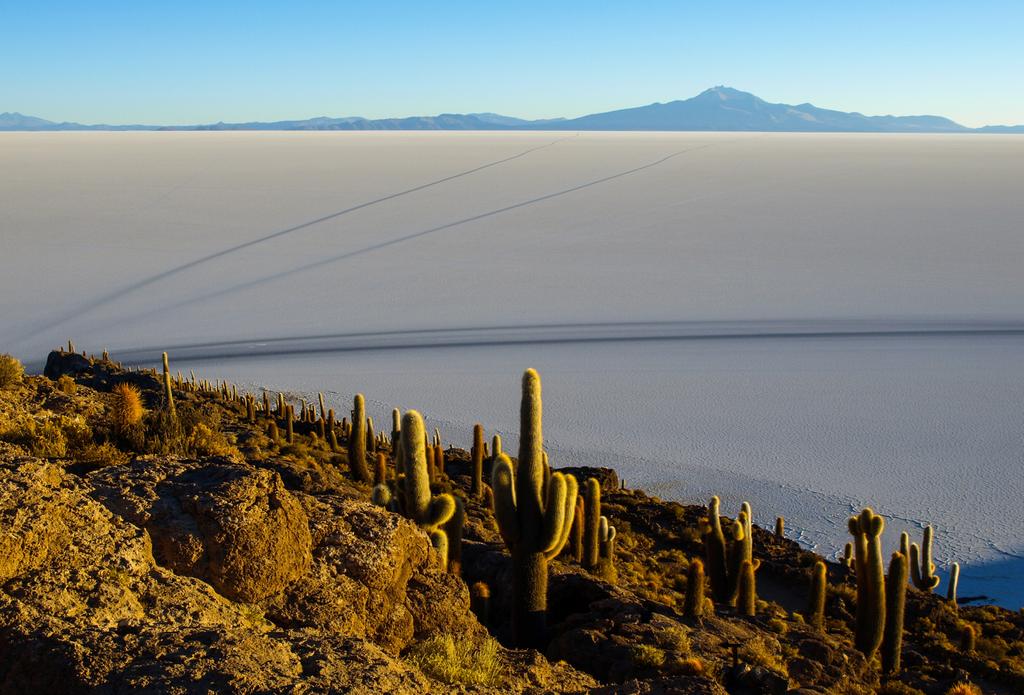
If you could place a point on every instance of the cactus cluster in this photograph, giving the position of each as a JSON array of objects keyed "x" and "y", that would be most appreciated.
[
  {"x": 922, "y": 569},
  {"x": 866, "y": 529},
  {"x": 725, "y": 561}
]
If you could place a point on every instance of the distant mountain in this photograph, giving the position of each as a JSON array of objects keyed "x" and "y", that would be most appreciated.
[
  {"x": 716, "y": 109},
  {"x": 724, "y": 108}
]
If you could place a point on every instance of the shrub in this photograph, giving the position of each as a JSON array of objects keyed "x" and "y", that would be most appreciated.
[
  {"x": 67, "y": 385},
  {"x": 11, "y": 371},
  {"x": 964, "y": 688},
  {"x": 95, "y": 456},
  {"x": 649, "y": 656},
  {"x": 457, "y": 660}
]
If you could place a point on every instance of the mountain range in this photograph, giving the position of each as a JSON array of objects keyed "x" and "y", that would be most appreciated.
[{"x": 715, "y": 109}]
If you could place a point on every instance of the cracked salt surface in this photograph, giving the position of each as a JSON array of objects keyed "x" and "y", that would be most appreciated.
[{"x": 673, "y": 305}]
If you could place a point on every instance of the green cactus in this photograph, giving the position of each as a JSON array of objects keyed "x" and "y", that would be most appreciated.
[
  {"x": 495, "y": 447},
  {"x": 922, "y": 569},
  {"x": 780, "y": 527},
  {"x": 746, "y": 589},
  {"x": 905, "y": 544},
  {"x": 867, "y": 529},
  {"x": 591, "y": 524},
  {"x": 816, "y": 601},
  {"x": 714, "y": 553},
  {"x": 606, "y": 551},
  {"x": 895, "y": 602},
  {"x": 848, "y": 555},
  {"x": 289, "y": 423},
  {"x": 477, "y": 487},
  {"x": 535, "y": 527},
  {"x": 693, "y": 605},
  {"x": 357, "y": 441},
  {"x": 380, "y": 469}
]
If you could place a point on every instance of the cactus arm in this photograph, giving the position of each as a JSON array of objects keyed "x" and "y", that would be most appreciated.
[
  {"x": 503, "y": 484},
  {"x": 571, "y": 495},
  {"x": 439, "y": 511},
  {"x": 554, "y": 514}
]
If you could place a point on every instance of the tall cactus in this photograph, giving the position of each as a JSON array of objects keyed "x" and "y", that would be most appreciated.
[
  {"x": 477, "y": 487},
  {"x": 714, "y": 553},
  {"x": 922, "y": 569},
  {"x": 591, "y": 524},
  {"x": 533, "y": 527},
  {"x": 453, "y": 529},
  {"x": 870, "y": 622},
  {"x": 396, "y": 430},
  {"x": 357, "y": 441},
  {"x": 895, "y": 602},
  {"x": 816, "y": 601}
]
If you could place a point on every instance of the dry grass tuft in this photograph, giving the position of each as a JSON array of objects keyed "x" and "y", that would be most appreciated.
[{"x": 457, "y": 660}]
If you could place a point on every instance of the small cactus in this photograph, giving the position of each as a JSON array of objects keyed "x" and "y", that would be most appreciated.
[
  {"x": 380, "y": 469},
  {"x": 954, "y": 581},
  {"x": 895, "y": 602},
  {"x": 968, "y": 639},
  {"x": 480, "y": 602},
  {"x": 453, "y": 529},
  {"x": 693, "y": 605},
  {"x": 477, "y": 487},
  {"x": 606, "y": 551},
  {"x": 816, "y": 602},
  {"x": 780, "y": 527},
  {"x": 127, "y": 410}
]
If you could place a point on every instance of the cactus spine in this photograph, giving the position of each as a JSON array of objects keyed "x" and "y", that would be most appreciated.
[
  {"x": 895, "y": 602},
  {"x": 591, "y": 524},
  {"x": 922, "y": 569},
  {"x": 533, "y": 527},
  {"x": 477, "y": 488},
  {"x": 357, "y": 441},
  {"x": 693, "y": 606},
  {"x": 870, "y": 623}
]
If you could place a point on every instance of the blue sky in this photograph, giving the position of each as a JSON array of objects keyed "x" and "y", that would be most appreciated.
[{"x": 193, "y": 62}]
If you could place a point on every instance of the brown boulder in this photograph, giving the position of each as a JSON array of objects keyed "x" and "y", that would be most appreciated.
[{"x": 231, "y": 525}]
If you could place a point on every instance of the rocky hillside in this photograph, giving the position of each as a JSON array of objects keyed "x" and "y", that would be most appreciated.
[{"x": 226, "y": 544}]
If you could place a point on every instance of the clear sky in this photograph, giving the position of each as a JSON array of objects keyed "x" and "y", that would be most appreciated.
[{"x": 198, "y": 62}]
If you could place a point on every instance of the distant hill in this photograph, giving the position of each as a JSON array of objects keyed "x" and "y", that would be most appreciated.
[{"x": 715, "y": 109}]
